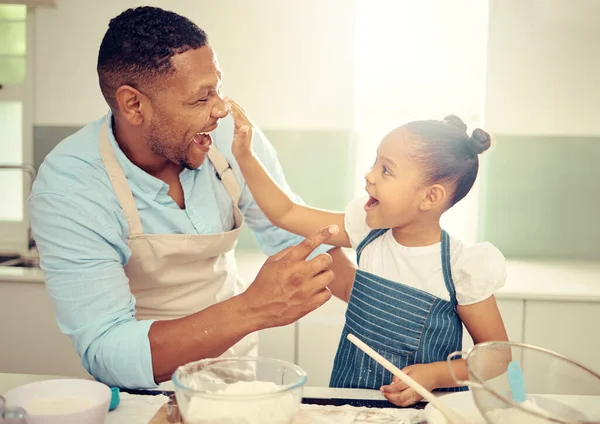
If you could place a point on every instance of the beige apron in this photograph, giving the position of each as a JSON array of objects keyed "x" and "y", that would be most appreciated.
[{"x": 176, "y": 275}]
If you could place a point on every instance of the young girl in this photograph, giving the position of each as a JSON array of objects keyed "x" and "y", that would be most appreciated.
[{"x": 415, "y": 285}]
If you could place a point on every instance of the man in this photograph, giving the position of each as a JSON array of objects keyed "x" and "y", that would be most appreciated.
[{"x": 137, "y": 214}]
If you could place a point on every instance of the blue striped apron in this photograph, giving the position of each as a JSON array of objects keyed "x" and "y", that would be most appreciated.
[{"x": 403, "y": 324}]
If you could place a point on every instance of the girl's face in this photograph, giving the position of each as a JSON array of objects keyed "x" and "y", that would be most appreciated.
[{"x": 395, "y": 184}]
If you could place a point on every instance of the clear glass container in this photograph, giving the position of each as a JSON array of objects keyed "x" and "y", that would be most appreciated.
[
  {"x": 239, "y": 390},
  {"x": 558, "y": 389}
]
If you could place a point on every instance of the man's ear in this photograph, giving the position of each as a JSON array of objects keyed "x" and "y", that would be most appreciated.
[{"x": 133, "y": 105}]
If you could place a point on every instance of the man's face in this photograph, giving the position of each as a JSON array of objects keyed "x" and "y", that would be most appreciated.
[{"x": 186, "y": 106}]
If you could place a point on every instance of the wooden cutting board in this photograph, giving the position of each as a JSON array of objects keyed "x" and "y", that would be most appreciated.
[{"x": 161, "y": 416}]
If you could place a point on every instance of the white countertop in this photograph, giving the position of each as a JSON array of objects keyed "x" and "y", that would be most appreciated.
[
  {"x": 527, "y": 279},
  {"x": 552, "y": 280},
  {"x": 21, "y": 275},
  {"x": 136, "y": 408},
  {"x": 9, "y": 381}
]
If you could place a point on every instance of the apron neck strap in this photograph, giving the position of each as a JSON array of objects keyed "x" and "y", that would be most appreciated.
[
  {"x": 118, "y": 180},
  {"x": 445, "y": 253},
  {"x": 225, "y": 174},
  {"x": 374, "y": 234},
  {"x": 447, "y": 269}
]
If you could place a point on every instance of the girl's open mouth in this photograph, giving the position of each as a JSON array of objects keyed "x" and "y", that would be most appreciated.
[{"x": 371, "y": 203}]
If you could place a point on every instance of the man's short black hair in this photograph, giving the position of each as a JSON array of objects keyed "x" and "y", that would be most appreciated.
[{"x": 138, "y": 47}]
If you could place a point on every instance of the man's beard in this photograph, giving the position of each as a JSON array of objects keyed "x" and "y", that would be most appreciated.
[{"x": 159, "y": 145}]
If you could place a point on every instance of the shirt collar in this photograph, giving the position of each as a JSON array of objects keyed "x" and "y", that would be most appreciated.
[{"x": 133, "y": 173}]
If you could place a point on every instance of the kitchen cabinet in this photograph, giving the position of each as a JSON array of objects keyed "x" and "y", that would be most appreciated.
[
  {"x": 31, "y": 340},
  {"x": 537, "y": 304},
  {"x": 568, "y": 328}
]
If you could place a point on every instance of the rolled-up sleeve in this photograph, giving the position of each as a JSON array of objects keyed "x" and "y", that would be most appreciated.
[
  {"x": 270, "y": 238},
  {"x": 82, "y": 259}
]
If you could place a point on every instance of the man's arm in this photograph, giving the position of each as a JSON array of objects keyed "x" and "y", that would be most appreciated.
[
  {"x": 84, "y": 275},
  {"x": 82, "y": 258}
]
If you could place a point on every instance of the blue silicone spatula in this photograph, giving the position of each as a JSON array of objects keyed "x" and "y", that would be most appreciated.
[{"x": 516, "y": 382}]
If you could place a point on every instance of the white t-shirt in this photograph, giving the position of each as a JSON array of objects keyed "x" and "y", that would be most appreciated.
[{"x": 478, "y": 271}]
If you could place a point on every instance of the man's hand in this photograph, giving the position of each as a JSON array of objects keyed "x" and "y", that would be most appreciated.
[{"x": 288, "y": 286}]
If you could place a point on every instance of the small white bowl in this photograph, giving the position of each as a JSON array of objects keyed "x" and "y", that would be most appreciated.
[{"x": 68, "y": 401}]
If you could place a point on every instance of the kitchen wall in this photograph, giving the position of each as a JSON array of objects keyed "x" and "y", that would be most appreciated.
[
  {"x": 282, "y": 61},
  {"x": 266, "y": 48},
  {"x": 540, "y": 191}
]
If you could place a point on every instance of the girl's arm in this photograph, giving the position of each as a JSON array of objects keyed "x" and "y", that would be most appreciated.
[
  {"x": 484, "y": 323},
  {"x": 272, "y": 200}
]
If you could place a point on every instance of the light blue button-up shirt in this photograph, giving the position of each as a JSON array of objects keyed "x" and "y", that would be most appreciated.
[{"x": 81, "y": 233}]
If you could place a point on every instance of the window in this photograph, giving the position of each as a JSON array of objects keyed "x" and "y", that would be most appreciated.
[
  {"x": 420, "y": 60},
  {"x": 12, "y": 43},
  {"x": 15, "y": 124}
]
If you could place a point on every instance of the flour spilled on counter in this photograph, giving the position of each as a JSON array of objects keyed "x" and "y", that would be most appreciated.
[
  {"x": 327, "y": 414},
  {"x": 274, "y": 408},
  {"x": 55, "y": 405}
]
